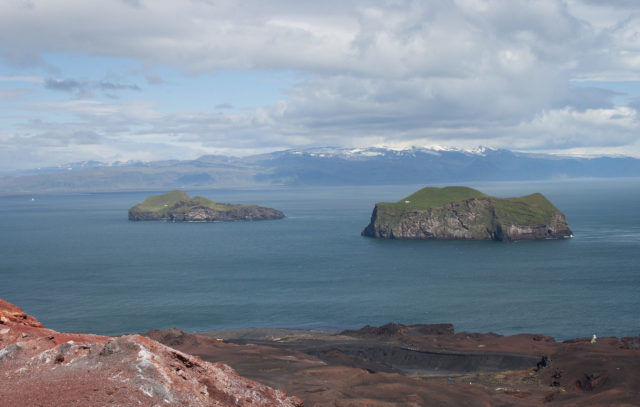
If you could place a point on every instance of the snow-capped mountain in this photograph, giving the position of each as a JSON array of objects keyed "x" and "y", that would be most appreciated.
[
  {"x": 322, "y": 166},
  {"x": 367, "y": 152}
]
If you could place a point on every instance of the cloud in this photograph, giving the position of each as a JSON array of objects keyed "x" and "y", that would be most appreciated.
[
  {"x": 96, "y": 115},
  {"x": 109, "y": 86},
  {"x": 31, "y": 79},
  {"x": 12, "y": 94},
  {"x": 132, "y": 3},
  {"x": 387, "y": 39},
  {"x": 398, "y": 39},
  {"x": 567, "y": 128},
  {"x": 84, "y": 88},
  {"x": 450, "y": 72},
  {"x": 65, "y": 85},
  {"x": 153, "y": 79}
]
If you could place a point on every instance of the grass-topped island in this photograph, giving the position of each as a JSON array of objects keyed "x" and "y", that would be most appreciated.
[
  {"x": 178, "y": 206},
  {"x": 467, "y": 214}
]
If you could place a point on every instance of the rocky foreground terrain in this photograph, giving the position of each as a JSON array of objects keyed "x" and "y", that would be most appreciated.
[
  {"x": 426, "y": 365},
  {"x": 392, "y": 365},
  {"x": 41, "y": 367}
]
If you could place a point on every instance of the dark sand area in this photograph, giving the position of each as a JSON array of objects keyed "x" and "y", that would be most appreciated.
[{"x": 398, "y": 365}]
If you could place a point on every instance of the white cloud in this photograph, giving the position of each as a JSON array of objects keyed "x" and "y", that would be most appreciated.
[
  {"x": 569, "y": 129},
  {"x": 83, "y": 108},
  {"x": 32, "y": 79},
  {"x": 132, "y": 112},
  {"x": 12, "y": 94},
  {"x": 396, "y": 73}
]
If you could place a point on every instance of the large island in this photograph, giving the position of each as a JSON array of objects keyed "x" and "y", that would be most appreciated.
[
  {"x": 467, "y": 214},
  {"x": 178, "y": 206}
]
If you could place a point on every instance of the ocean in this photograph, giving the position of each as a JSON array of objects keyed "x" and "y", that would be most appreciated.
[{"x": 76, "y": 263}]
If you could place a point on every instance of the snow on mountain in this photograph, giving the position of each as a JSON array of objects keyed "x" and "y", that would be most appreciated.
[{"x": 368, "y": 152}]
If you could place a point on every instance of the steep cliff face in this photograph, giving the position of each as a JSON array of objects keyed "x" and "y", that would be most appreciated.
[
  {"x": 41, "y": 367},
  {"x": 177, "y": 206},
  {"x": 555, "y": 228},
  {"x": 480, "y": 217}
]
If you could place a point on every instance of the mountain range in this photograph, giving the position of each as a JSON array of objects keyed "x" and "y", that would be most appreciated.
[{"x": 319, "y": 166}]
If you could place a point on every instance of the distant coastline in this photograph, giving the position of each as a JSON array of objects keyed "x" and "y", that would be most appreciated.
[{"x": 318, "y": 167}]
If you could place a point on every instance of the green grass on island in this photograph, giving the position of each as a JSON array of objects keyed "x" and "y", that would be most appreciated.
[
  {"x": 432, "y": 197},
  {"x": 526, "y": 210},
  {"x": 177, "y": 200},
  {"x": 163, "y": 203},
  {"x": 532, "y": 209}
]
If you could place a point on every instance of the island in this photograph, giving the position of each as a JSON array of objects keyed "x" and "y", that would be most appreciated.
[
  {"x": 178, "y": 206},
  {"x": 463, "y": 213}
]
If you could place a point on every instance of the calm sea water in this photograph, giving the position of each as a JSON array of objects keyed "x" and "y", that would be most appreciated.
[{"x": 77, "y": 264}]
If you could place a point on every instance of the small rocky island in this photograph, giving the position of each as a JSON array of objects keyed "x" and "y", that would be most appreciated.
[
  {"x": 178, "y": 206},
  {"x": 467, "y": 214}
]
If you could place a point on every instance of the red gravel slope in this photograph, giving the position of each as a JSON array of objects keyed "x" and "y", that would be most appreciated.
[{"x": 41, "y": 367}]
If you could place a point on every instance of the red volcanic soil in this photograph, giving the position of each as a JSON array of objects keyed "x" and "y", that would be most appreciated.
[
  {"x": 392, "y": 365},
  {"x": 41, "y": 367},
  {"x": 426, "y": 365}
]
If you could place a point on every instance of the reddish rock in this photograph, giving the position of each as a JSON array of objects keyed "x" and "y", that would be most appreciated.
[
  {"x": 375, "y": 366},
  {"x": 13, "y": 313},
  {"x": 40, "y": 367}
]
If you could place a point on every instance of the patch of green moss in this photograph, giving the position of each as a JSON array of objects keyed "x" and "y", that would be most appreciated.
[
  {"x": 161, "y": 204},
  {"x": 176, "y": 201},
  {"x": 431, "y": 197},
  {"x": 532, "y": 209},
  {"x": 199, "y": 201}
]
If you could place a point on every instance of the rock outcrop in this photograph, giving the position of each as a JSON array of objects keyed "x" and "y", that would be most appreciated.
[
  {"x": 177, "y": 206},
  {"x": 39, "y": 366},
  {"x": 466, "y": 214}
]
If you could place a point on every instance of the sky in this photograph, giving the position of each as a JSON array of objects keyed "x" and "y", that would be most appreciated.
[{"x": 119, "y": 80}]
